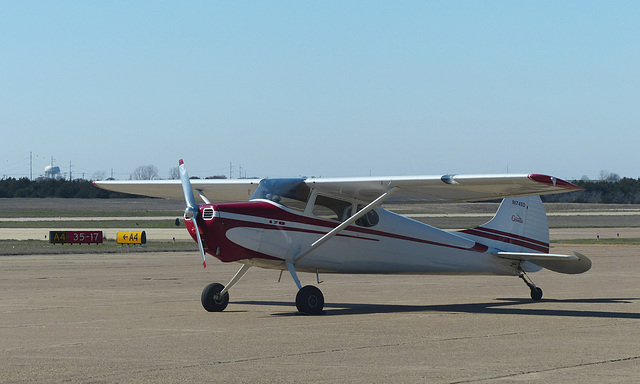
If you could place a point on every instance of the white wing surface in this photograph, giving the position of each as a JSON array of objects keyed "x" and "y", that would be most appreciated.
[
  {"x": 221, "y": 190},
  {"x": 447, "y": 188}
]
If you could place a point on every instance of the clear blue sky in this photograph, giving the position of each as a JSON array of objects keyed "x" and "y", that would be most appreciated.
[{"x": 325, "y": 88}]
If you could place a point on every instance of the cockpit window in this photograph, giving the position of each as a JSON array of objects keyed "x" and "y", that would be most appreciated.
[{"x": 292, "y": 193}]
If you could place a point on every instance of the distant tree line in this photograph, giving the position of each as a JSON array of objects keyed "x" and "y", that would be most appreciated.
[
  {"x": 608, "y": 191},
  {"x": 54, "y": 188},
  {"x": 44, "y": 187},
  {"x": 618, "y": 191}
]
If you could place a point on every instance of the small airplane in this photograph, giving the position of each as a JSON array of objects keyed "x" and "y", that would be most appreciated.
[{"x": 337, "y": 225}]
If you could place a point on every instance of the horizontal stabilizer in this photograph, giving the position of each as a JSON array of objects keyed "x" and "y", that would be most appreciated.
[{"x": 569, "y": 264}]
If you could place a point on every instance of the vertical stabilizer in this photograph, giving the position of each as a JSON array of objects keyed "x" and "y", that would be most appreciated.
[{"x": 520, "y": 225}]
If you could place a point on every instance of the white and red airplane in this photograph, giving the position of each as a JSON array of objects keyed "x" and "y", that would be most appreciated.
[{"x": 337, "y": 225}]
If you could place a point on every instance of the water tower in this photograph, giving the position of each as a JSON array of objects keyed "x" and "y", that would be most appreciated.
[{"x": 52, "y": 172}]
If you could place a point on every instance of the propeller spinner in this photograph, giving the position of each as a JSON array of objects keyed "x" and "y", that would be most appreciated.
[{"x": 191, "y": 212}]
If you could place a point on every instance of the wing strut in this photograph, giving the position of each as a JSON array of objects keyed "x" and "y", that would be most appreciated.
[
  {"x": 202, "y": 196},
  {"x": 381, "y": 199}
]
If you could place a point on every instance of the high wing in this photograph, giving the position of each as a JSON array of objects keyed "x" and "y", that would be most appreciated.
[
  {"x": 425, "y": 189},
  {"x": 222, "y": 190},
  {"x": 447, "y": 188}
]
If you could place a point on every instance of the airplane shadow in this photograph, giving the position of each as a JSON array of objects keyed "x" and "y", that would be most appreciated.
[{"x": 505, "y": 306}]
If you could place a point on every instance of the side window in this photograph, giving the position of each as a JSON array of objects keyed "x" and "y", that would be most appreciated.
[
  {"x": 332, "y": 209},
  {"x": 339, "y": 210},
  {"x": 369, "y": 220}
]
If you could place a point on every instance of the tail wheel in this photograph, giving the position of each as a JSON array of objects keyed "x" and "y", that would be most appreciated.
[
  {"x": 310, "y": 300},
  {"x": 536, "y": 293},
  {"x": 211, "y": 299}
]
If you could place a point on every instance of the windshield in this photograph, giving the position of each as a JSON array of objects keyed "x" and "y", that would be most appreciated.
[{"x": 292, "y": 193}]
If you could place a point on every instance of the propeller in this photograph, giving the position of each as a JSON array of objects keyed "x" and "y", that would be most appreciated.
[{"x": 192, "y": 208}]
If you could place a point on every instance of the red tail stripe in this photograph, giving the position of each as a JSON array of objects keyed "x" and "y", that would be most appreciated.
[
  {"x": 523, "y": 238},
  {"x": 509, "y": 238}
]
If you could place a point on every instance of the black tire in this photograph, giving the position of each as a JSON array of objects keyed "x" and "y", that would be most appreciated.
[
  {"x": 310, "y": 300},
  {"x": 211, "y": 300},
  {"x": 536, "y": 294}
]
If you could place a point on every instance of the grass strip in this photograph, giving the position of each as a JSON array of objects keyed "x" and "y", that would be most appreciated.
[
  {"x": 603, "y": 241},
  {"x": 88, "y": 224},
  {"x": 41, "y": 247}
]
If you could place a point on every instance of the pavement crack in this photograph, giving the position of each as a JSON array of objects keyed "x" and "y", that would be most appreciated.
[{"x": 592, "y": 363}]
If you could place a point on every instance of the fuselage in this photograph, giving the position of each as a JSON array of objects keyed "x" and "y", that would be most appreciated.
[{"x": 265, "y": 233}]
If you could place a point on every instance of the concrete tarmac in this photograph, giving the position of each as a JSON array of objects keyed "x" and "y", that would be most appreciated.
[
  {"x": 168, "y": 234},
  {"x": 137, "y": 318}
]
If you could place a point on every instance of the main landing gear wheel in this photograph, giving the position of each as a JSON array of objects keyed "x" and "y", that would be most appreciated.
[
  {"x": 211, "y": 299},
  {"x": 310, "y": 300}
]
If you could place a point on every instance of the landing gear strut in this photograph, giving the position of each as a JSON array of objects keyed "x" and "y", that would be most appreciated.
[
  {"x": 309, "y": 299},
  {"x": 536, "y": 292},
  {"x": 215, "y": 296}
]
